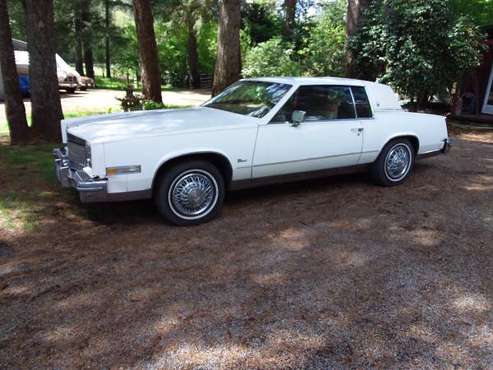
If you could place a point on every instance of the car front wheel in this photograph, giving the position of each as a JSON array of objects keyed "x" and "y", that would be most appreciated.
[
  {"x": 190, "y": 193},
  {"x": 394, "y": 164}
]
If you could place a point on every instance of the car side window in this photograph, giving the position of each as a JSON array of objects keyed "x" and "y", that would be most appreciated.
[
  {"x": 363, "y": 107},
  {"x": 320, "y": 102}
]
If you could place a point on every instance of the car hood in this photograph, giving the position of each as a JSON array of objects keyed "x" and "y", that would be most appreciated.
[{"x": 120, "y": 126}]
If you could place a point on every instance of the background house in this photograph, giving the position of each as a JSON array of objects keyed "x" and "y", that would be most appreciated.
[{"x": 477, "y": 88}]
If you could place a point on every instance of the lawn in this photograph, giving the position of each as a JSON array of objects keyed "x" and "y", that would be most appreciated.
[
  {"x": 110, "y": 83},
  {"x": 120, "y": 84},
  {"x": 332, "y": 273},
  {"x": 21, "y": 207},
  {"x": 20, "y": 204},
  {"x": 4, "y": 128}
]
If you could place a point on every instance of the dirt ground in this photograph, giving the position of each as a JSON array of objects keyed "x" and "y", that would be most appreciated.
[{"x": 321, "y": 274}]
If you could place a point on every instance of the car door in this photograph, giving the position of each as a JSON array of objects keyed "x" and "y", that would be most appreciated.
[{"x": 329, "y": 137}]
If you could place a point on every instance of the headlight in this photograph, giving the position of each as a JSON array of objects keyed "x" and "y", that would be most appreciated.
[{"x": 88, "y": 155}]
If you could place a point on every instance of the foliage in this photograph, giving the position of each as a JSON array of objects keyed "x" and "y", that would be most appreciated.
[
  {"x": 124, "y": 48},
  {"x": 207, "y": 45},
  {"x": 16, "y": 13},
  {"x": 172, "y": 41},
  {"x": 395, "y": 43},
  {"x": 111, "y": 83},
  {"x": 479, "y": 11},
  {"x": 135, "y": 102},
  {"x": 420, "y": 47},
  {"x": 152, "y": 105},
  {"x": 324, "y": 54},
  {"x": 270, "y": 58},
  {"x": 318, "y": 50},
  {"x": 172, "y": 48},
  {"x": 260, "y": 21}
]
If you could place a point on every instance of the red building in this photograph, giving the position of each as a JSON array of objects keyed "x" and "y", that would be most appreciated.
[{"x": 477, "y": 88}]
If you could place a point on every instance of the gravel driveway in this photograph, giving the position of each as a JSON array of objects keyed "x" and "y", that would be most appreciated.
[
  {"x": 102, "y": 100},
  {"x": 321, "y": 274}
]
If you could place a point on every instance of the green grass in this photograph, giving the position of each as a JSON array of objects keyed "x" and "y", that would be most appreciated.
[
  {"x": 121, "y": 84},
  {"x": 28, "y": 172},
  {"x": 4, "y": 128},
  {"x": 110, "y": 83},
  {"x": 29, "y": 181},
  {"x": 36, "y": 158}
]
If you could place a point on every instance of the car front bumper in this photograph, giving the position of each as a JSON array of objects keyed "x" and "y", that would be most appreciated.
[
  {"x": 68, "y": 85},
  {"x": 90, "y": 189}
]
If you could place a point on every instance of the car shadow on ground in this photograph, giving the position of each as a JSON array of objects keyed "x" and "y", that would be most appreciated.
[{"x": 144, "y": 211}]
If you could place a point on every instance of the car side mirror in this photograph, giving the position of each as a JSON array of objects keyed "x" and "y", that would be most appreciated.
[{"x": 297, "y": 117}]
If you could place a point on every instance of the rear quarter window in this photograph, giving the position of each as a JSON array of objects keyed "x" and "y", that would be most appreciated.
[{"x": 363, "y": 107}]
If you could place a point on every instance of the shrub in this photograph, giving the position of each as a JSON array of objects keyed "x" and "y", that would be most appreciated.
[
  {"x": 131, "y": 101},
  {"x": 419, "y": 47},
  {"x": 270, "y": 58},
  {"x": 152, "y": 105},
  {"x": 325, "y": 52}
]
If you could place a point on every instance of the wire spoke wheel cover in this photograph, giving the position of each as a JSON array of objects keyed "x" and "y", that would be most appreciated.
[
  {"x": 193, "y": 194},
  {"x": 398, "y": 162}
]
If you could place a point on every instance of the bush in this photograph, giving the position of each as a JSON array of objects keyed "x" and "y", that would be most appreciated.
[
  {"x": 270, "y": 58},
  {"x": 419, "y": 47},
  {"x": 152, "y": 105},
  {"x": 134, "y": 102},
  {"x": 131, "y": 102},
  {"x": 325, "y": 52}
]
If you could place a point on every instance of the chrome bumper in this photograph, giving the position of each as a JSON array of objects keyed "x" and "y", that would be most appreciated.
[
  {"x": 90, "y": 190},
  {"x": 69, "y": 85},
  {"x": 447, "y": 146}
]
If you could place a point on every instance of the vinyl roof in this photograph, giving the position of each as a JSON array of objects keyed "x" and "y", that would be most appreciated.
[{"x": 313, "y": 81}]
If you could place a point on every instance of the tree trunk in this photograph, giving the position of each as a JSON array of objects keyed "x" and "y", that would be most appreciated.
[
  {"x": 79, "y": 61},
  {"x": 355, "y": 9},
  {"x": 193, "y": 56},
  {"x": 289, "y": 18},
  {"x": 228, "y": 62},
  {"x": 14, "y": 106},
  {"x": 87, "y": 37},
  {"x": 45, "y": 98},
  {"x": 107, "y": 18},
  {"x": 89, "y": 60},
  {"x": 78, "y": 28},
  {"x": 151, "y": 75},
  {"x": 422, "y": 101}
]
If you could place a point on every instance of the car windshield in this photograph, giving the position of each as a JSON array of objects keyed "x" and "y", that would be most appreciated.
[{"x": 250, "y": 98}]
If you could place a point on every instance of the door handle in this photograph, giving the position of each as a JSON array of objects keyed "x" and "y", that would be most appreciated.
[{"x": 357, "y": 130}]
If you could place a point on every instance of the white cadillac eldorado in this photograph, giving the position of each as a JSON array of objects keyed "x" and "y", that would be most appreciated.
[{"x": 257, "y": 131}]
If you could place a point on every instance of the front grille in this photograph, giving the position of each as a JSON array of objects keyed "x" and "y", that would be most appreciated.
[
  {"x": 77, "y": 152},
  {"x": 71, "y": 79}
]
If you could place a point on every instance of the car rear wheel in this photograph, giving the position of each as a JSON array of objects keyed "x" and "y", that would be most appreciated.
[
  {"x": 394, "y": 164},
  {"x": 190, "y": 193}
]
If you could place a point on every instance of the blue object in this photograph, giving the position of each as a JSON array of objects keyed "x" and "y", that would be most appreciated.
[{"x": 24, "y": 84}]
